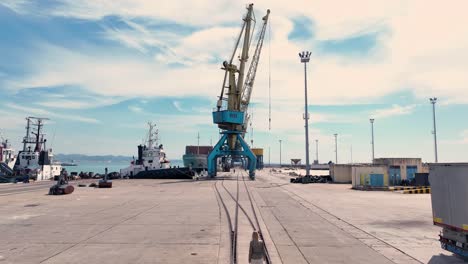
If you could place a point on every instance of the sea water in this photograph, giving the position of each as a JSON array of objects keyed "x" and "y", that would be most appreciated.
[{"x": 99, "y": 167}]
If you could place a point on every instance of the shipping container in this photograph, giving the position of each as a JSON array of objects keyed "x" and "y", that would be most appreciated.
[
  {"x": 449, "y": 193},
  {"x": 421, "y": 179},
  {"x": 198, "y": 149}
]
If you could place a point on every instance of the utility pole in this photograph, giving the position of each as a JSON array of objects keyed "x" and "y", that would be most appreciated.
[
  {"x": 269, "y": 156},
  {"x": 305, "y": 57},
  {"x": 336, "y": 148},
  {"x": 372, "y": 142},
  {"x": 433, "y": 102},
  {"x": 280, "y": 151},
  {"x": 316, "y": 151}
]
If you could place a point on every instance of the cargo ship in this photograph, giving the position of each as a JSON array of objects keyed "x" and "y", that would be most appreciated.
[{"x": 196, "y": 157}]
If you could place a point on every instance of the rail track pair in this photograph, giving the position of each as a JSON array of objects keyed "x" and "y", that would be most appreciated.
[{"x": 233, "y": 222}]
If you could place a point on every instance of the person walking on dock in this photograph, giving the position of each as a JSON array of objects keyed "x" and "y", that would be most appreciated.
[{"x": 256, "y": 250}]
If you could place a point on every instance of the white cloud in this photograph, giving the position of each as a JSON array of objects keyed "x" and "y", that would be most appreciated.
[
  {"x": 464, "y": 136},
  {"x": 178, "y": 106},
  {"x": 424, "y": 50},
  {"x": 417, "y": 52},
  {"x": 137, "y": 36},
  {"x": 135, "y": 109},
  {"x": 76, "y": 103},
  {"x": 45, "y": 113},
  {"x": 395, "y": 110}
]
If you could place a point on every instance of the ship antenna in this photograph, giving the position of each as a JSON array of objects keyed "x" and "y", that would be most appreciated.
[
  {"x": 198, "y": 148},
  {"x": 53, "y": 137}
]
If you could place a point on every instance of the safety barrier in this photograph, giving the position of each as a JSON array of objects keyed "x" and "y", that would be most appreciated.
[{"x": 415, "y": 191}]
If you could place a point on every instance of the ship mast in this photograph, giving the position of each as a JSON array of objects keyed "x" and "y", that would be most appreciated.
[
  {"x": 152, "y": 136},
  {"x": 38, "y": 140}
]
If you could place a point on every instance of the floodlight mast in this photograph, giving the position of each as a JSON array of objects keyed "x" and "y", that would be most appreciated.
[
  {"x": 433, "y": 102},
  {"x": 305, "y": 57}
]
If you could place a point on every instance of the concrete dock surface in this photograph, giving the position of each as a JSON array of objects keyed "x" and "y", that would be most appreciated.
[{"x": 183, "y": 221}]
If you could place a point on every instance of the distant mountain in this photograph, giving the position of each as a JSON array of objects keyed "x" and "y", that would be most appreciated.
[
  {"x": 85, "y": 158},
  {"x": 78, "y": 158}
]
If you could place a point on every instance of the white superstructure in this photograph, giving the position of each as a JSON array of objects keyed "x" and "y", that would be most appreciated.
[
  {"x": 151, "y": 155},
  {"x": 7, "y": 154},
  {"x": 35, "y": 159}
]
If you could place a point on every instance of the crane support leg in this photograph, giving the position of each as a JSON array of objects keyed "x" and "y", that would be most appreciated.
[{"x": 222, "y": 149}]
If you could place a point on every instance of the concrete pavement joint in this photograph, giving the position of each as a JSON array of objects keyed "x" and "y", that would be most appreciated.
[
  {"x": 98, "y": 233},
  {"x": 326, "y": 216}
]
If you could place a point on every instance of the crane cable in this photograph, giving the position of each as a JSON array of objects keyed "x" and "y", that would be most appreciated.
[{"x": 269, "y": 76}]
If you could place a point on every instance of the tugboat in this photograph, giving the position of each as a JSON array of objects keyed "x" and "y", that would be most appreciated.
[
  {"x": 152, "y": 162},
  {"x": 35, "y": 160}
]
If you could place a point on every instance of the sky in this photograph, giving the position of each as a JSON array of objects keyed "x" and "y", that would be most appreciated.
[{"x": 101, "y": 69}]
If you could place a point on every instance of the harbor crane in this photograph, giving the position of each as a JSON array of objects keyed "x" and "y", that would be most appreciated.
[{"x": 231, "y": 114}]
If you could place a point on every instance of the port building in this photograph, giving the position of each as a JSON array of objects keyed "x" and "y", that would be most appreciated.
[{"x": 383, "y": 172}]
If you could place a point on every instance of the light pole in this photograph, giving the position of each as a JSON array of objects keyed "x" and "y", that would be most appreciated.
[
  {"x": 336, "y": 148},
  {"x": 280, "y": 151},
  {"x": 372, "y": 142},
  {"x": 269, "y": 156},
  {"x": 305, "y": 57},
  {"x": 433, "y": 102},
  {"x": 316, "y": 150}
]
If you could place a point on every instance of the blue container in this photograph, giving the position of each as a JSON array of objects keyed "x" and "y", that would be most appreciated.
[
  {"x": 228, "y": 117},
  {"x": 376, "y": 180}
]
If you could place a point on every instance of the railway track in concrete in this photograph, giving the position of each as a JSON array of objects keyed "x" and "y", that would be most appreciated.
[{"x": 233, "y": 222}]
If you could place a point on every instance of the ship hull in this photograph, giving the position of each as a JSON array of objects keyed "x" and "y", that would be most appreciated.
[
  {"x": 169, "y": 173},
  {"x": 196, "y": 161}
]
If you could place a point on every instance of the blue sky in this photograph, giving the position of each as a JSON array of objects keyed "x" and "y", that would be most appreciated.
[{"x": 101, "y": 69}]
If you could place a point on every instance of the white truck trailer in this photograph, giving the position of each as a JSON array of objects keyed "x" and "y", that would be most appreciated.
[{"x": 449, "y": 193}]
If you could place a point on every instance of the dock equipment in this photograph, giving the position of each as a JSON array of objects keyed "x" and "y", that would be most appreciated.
[
  {"x": 105, "y": 182},
  {"x": 231, "y": 115},
  {"x": 62, "y": 186}
]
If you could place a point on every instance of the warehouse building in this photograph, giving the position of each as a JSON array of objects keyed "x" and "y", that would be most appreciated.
[{"x": 383, "y": 172}]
